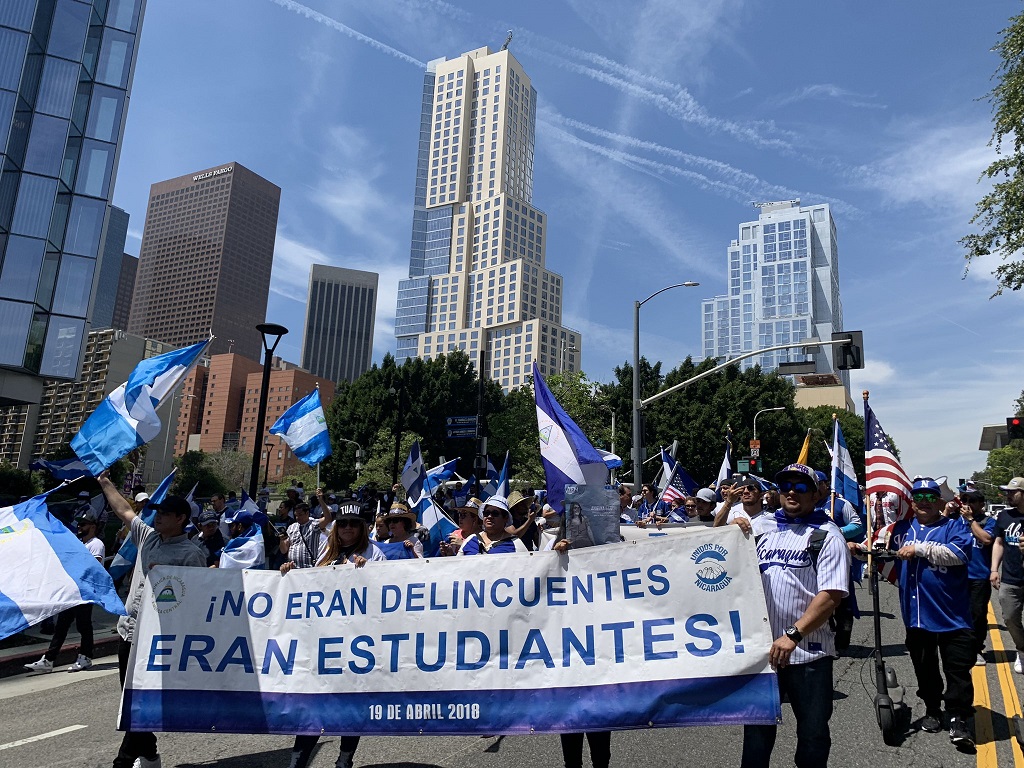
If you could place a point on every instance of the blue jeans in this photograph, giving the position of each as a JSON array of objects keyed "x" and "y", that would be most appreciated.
[{"x": 809, "y": 687}]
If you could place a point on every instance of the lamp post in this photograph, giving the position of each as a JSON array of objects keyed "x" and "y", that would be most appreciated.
[
  {"x": 359, "y": 452},
  {"x": 399, "y": 427},
  {"x": 268, "y": 332},
  {"x": 268, "y": 444},
  {"x": 571, "y": 348},
  {"x": 638, "y": 447},
  {"x": 765, "y": 410},
  {"x": 167, "y": 434}
]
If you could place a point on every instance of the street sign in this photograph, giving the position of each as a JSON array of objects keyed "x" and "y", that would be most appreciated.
[
  {"x": 755, "y": 444},
  {"x": 461, "y": 421},
  {"x": 458, "y": 432},
  {"x": 755, "y": 452}
]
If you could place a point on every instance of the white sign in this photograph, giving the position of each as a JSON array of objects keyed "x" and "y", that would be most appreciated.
[
  {"x": 218, "y": 172},
  {"x": 666, "y": 632}
]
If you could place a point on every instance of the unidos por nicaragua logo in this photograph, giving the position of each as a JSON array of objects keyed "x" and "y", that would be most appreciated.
[{"x": 711, "y": 573}]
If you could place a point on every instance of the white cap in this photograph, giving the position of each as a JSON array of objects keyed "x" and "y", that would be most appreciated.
[{"x": 141, "y": 497}]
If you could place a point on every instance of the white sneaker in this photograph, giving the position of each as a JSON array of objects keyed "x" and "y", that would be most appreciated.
[
  {"x": 43, "y": 665},
  {"x": 145, "y": 762},
  {"x": 981, "y": 661},
  {"x": 83, "y": 662},
  {"x": 1017, "y": 667}
]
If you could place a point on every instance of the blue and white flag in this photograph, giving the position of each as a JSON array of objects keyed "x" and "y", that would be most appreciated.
[
  {"x": 567, "y": 455},
  {"x": 461, "y": 496},
  {"x": 501, "y": 486},
  {"x": 125, "y": 557},
  {"x": 69, "y": 469},
  {"x": 440, "y": 474},
  {"x": 725, "y": 471},
  {"x": 844, "y": 476},
  {"x": 304, "y": 428},
  {"x": 46, "y": 569},
  {"x": 245, "y": 551},
  {"x": 128, "y": 418},
  {"x": 428, "y": 513},
  {"x": 489, "y": 488},
  {"x": 676, "y": 482},
  {"x": 610, "y": 459}
]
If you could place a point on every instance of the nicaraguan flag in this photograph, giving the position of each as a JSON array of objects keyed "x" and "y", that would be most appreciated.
[
  {"x": 567, "y": 455},
  {"x": 610, "y": 459},
  {"x": 440, "y": 474},
  {"x": 245, "y": 551},
  {"x": 489, "y": 488},
  {"x": 46, "y": 569},
  {"x": 125, "y": 557},
  {"x": 414, "y": 476},
  {"x": 501, "y": 486},
  {"x": 467, "y": 487},
  {"x": 675, "y": 480},
  {"x": 128, "y": 417},
  {"x": 428, "y": 513},
  {"x": 725, "y": 471},
  {"x": 844, "y": 476},
  {"x": 304, "y": 428},
  {"x": 69, "y": 469}
]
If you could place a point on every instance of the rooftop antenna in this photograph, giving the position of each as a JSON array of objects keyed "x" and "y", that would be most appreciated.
[{"x": 507, "y": 41}]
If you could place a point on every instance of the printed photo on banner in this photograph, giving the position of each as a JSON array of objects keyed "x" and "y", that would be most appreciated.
[{"x": 591, "y": 515}]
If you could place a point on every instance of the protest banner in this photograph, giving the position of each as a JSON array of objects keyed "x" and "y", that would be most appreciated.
[{"x": 666, "y": 632}]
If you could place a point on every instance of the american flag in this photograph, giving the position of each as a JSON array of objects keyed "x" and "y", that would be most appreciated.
[
  {"x": 882, "y": 469},
  {"x": 680, "y": 484}
]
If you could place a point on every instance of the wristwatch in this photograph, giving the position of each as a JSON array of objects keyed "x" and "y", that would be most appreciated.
[{"x": 793, "y": 634}]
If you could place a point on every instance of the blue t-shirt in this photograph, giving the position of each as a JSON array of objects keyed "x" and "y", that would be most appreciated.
[
  {"x": 474, "y": 546},
  {"x": 935, "y": 598},
  {"x": 645, "y": 510},
  {"x": 981, "y": 558}
]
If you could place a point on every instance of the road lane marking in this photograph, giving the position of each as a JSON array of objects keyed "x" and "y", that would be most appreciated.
[
  {"x": 40, "y": 737},
  {"x": 984, "y": 735},
  {"x": 1004, "y": 673}
]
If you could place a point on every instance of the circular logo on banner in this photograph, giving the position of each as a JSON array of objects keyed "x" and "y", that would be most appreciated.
[
  {"x": 710, "y": 562},
  {"x": 168, "y": 592}
]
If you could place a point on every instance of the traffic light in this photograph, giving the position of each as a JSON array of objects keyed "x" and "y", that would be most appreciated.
[
  {"x": 755, "y": 466},
  {"x": 848, "y": 356},
  {"x": 1015, "y": 428},
  {"x": 746, "y": 465}
]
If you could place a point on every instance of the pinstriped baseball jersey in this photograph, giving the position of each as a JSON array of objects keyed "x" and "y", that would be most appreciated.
[{"x": 791, "y": 581}]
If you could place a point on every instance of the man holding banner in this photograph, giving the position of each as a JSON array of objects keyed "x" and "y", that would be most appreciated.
[
  {"x": 805, "y": 570},
  {"x": 165, "y": 543}
]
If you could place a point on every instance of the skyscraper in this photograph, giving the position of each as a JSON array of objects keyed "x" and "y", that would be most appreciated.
[
  {"x": 783, "y": 288},
  {"x": 65, "y": 73},
  {"x": 111, "y": 258},
  {"x": 205, "y": 260},
  {"x": 477, "y": 275},
  {"x": 125, "y": 291},
  {"x": 340, "y": 309}
]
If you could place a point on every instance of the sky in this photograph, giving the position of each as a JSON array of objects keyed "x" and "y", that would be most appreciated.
[{"x": 659, "y": 122}]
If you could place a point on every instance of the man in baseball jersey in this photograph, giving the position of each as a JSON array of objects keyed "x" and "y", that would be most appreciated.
[
  {"x": 805, "y": 570},
  {"x": 932, "y": 551},
  {"x": 1008, "y": 565}
]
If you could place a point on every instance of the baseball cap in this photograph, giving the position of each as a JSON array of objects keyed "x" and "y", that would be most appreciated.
[
  {"x": 141, "y": 497},
  {"x": 86, "y": 516},
  {"x": 1017, "y": 484},
  {"x": 926, "y": 485},
  {"x": 796, "y": 470},
  {"x": 822, "y": 477},
  {"x": 497, "y": 501},
  {"x": 355, "y": 511},
  {"x": 84, "y": 495},
  {"x": 241, "y": 516},
  {"x": 706, "y": 494},
  {"x": 208, "y": 516},
  {"x": 176, "y": 505}
]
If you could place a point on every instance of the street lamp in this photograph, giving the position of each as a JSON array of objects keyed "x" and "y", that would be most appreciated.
[
  {"x": 638, "y": 448},
  {"x": 170, "y": 411},
  {"x": 765, "y": 410},
  {"x": 359, "y": 452},
  {"x": 274, "y": 332},
  {"x": 268, "y": 443},
  {"x": 399, "y": 427},
  {"x": 570, "y": 348}
]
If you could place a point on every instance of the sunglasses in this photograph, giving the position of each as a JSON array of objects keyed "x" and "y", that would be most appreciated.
[
  {"x": 493, "y": 513},
  {"x": 348, "y": 523},
  {"x": 799, "y": 487},
  {"x": 926, "y": 496}
]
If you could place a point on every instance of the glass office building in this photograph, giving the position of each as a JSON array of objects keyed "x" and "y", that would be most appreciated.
[
  {"x": 65, "y": 75},
  {"x": 340, "y": 310}
]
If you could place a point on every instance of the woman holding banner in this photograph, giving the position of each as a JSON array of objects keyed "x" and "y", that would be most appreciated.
[
  {"x": 470, "y": 518},
  {"x": 494, "y": 538},
  {"x": 348, "y": 542}
]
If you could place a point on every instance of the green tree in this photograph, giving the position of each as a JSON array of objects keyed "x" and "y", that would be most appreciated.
[
  {"x": 378, "y": 467},
  {"x": 232, "y": 468},
  {"x": 192, "y": 469},
  {"x": 819, "y": 421},
  {"x": 17, "y": 483},
  {"x": 1000, "y": 213},
  {"x": 1003, "y": 464}
]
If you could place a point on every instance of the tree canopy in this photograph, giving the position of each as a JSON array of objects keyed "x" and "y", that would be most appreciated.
[{"x": 1000, "y": 213}]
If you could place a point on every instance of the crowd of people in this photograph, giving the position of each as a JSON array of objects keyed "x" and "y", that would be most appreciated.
[{"x": 949, "y": 556}]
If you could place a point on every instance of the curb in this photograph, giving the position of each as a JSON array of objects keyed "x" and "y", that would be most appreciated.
[{"x": 13, "y": 664}]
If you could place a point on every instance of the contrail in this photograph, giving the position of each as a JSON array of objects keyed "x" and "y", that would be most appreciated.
[{"x": 327, "y": 21}]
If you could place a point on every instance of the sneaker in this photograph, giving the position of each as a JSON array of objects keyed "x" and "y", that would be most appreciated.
[
  {"x": 147, "y": 762},
  {"x": 1017, "y": 667},
  {"x": 981, "y": 661},
  {"x": 959, "y": 734},
  {"x": 43, "y": 665},
  {"x": 931, "y": 724},
  {"x": 83, "y": 662}
]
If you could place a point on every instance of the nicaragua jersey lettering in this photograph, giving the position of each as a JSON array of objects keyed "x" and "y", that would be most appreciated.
[
  {"x": 935, "y": 598},
  {"x": 791, "y": 580}
]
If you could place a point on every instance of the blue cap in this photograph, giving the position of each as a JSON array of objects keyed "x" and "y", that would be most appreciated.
[
  {"x": 926, "y": 484},
  {"x": 822, "y": 477},
  {"x": 801, "y": 470},
  {"x": 241, "y": 516},
  {"x": 208, "y": 516}
]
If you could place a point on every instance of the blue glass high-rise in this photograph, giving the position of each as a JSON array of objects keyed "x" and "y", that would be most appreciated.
[{"x": 66, "y": 69}]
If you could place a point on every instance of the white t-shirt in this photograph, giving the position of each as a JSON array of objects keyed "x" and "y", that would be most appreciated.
[
  {"x": 736, "y": 512},
  {"x": 96, "y": 548}
]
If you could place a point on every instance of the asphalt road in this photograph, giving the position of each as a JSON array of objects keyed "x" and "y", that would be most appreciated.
[{"x": 67, "y": 720}]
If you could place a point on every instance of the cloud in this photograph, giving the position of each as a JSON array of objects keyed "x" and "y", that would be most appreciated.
[
  {"x": 828, "y": 91},
  {"x": 327, "y": 21},
  {"x": 873, "y": 372}
]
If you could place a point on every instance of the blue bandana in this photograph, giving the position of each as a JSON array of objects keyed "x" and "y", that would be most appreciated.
[{"x": 818, "y": 517}]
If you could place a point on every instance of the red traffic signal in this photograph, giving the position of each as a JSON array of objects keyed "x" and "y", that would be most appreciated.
[{"x": 1015, "y": 428}]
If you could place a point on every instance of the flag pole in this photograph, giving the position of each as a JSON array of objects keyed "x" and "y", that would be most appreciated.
[
  {"x": 832, "y": 481},
  {"x": 871, "y": 513}
]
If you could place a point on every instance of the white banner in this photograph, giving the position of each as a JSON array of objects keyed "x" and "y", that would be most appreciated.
[{"x": 666, "y": 632}]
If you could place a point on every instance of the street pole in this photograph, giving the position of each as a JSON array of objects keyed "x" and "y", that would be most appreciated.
[
  {"x": 277, "y": 331},
  {"x": 765, "y": 410},
  {"x": 266, "y": 467},
  {"x": 638, "y": 443},
  {"x": 399, "y": 426}
]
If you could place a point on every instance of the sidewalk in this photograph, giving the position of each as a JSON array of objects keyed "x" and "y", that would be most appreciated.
[{"x": 34, "y": 644}]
